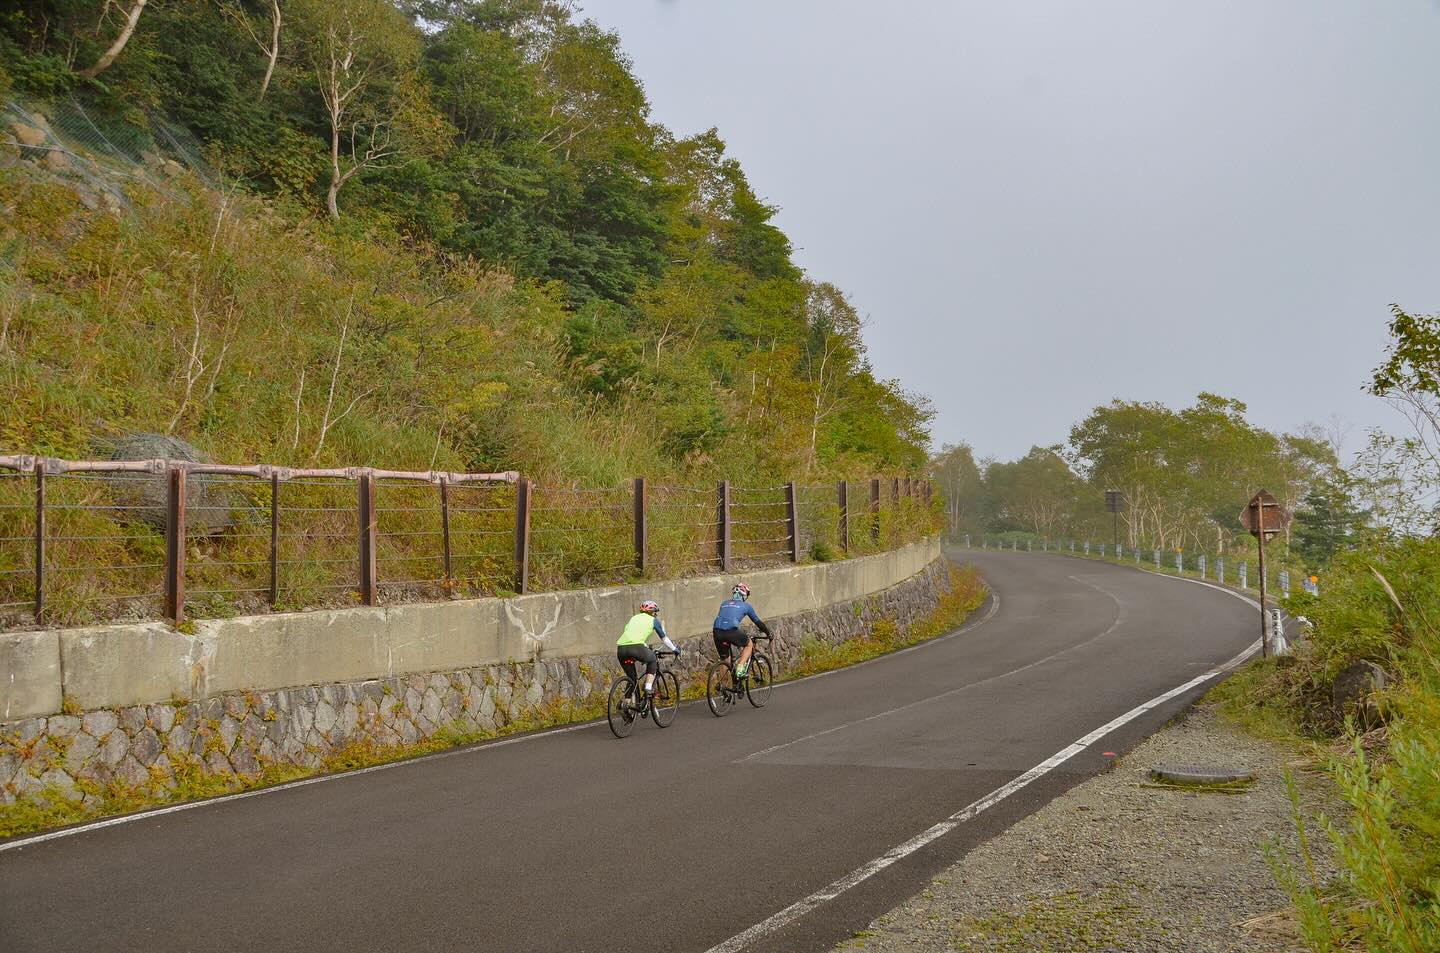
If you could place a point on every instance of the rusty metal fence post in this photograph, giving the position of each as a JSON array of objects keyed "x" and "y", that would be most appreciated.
[
  {"x": 522, "y": 536},
  {"x": 368, "y": 527},
  {"x": 875, "y": 510},
  {"x": 274, "y": 538},
  {"x": 175, "y": 546},
  {"x": 642, "y": 524},
  {"x": 445, "y": 532},
  {"x": 722, "y": 527},
  {"x": 39, "y": 541},
  {"x": 792, "y": 521},
  {"x": 843, "y": 492}
]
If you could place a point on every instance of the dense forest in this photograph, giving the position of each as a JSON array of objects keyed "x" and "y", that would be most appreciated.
[{"x": 441, "y": 232}]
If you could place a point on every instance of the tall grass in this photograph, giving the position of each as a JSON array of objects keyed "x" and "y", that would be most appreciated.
[
  {"x": 1381, "y": 604},
  {"x": 262, "y": 337}
]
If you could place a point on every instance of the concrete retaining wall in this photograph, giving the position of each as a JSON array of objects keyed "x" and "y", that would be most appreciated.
[
  {"x": 482, "y": 666},
  {"x": 120, "y": 665}
]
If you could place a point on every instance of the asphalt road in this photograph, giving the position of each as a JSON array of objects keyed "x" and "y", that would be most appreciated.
[{"x": 672, "y": 840}]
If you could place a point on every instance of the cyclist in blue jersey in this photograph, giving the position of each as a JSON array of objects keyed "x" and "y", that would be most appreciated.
[
  {"x": 727, "y": 632},
  {"x": 631, "y": 648}
]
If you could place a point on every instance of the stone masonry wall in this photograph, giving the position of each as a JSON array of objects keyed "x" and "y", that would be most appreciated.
[{"x": 76, "y": 755}]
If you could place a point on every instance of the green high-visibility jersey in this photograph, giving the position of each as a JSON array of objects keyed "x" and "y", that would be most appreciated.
[{"x": 639, "y": 629}]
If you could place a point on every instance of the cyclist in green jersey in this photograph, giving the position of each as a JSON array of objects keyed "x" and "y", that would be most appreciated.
[{"x": 631, "y": 647}]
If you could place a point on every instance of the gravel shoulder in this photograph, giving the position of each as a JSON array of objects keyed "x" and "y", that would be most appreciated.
[{"x": 1122, "y": 864}]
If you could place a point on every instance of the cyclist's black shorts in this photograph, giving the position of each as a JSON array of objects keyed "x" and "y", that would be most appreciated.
[
  {"x": 724, "y": 638},
  {"x": 630, "y": 654}
]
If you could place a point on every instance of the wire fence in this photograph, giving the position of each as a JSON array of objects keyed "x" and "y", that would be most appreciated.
[
  {"x": 103, "y": 155},
  {"x": 93, "y": 541},
  {"x": 1225, "y": 568}
]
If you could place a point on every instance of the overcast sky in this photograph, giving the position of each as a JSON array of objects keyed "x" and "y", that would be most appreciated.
[{"x": 1045, "y": 204}]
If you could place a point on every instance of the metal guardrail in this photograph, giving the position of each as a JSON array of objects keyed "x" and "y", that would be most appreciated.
[{"x": 1216, "y": 567}]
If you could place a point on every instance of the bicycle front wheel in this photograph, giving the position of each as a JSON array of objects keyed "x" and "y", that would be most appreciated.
[
  {"x": 717, "y": 682},
  {"x": 621, "y": 719},
  {"x": 666, "y": 701},
  {"x": 758, "y": 681}
]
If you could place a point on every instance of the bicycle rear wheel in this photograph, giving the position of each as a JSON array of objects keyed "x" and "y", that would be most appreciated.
[
  {"x": 717, "y": 681},
  {"x": 758, "y": 680},
  {"x": 666, "y": 701},
  {"x": 621, "y": 719}
]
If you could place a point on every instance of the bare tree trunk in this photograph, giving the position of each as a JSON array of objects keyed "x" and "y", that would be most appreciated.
[
  {"x": 328, "y": 422},
  {"x": 299, "y": 393},
  {"x": 274, "y": 46},
  {"x": 103, "y": 63},
  {"x": 330, "y": 196},
  {"x": 334, "y": 376}
]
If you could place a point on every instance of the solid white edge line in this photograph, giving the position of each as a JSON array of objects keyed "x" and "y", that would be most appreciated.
[
  {"x": 305, "y": 782},
  {"x": 289, "y": 785},
  {"x": 803, "y": 906}
]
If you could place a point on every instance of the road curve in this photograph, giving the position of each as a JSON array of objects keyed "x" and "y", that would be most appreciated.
[{"x": 676, "y": 840}]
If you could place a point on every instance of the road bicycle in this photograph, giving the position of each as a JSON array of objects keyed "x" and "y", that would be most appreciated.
[
  {"x": 723, "y": 689},
  {"x": 628, "y": 702}
]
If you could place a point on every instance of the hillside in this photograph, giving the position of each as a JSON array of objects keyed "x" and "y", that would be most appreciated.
[{"x": 421, "y": 234}]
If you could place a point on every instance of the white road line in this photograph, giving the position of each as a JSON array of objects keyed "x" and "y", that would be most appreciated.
[
  {"x": 322, "y": 779},
  {"x": 801, "y": 907},
  {"x": 990, "y": 614},
  {"x": 1119, "y": 618},
  {"x": 289, "y": 785}
]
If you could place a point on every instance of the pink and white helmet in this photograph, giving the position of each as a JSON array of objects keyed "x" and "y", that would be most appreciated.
[
  {"x": 741, "y": 591},
  {"x": 650, "y": 606}
]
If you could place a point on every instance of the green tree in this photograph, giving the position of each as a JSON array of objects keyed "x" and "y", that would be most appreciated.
[
  {"x": 360, "y": 53},
  {"x": 1328, "y": 522},
  {"x": 953, "y": 469},
  {"x": 1402, "y": 473},
  {"x": 1038, "y": 493}
]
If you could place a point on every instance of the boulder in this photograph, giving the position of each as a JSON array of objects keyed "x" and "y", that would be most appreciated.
[
  {"x": 140, "y": 497},
  {"x": 1352, "y": 690},
  {"x": 28, "y": 135}
]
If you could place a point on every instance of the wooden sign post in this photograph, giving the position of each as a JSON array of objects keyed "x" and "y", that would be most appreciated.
[
  {"x": 1264, "y": 517},
  {"x": 1115, "y": 505}
]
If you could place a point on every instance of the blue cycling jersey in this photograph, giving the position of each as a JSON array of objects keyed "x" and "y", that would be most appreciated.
[{"x": 733, "y": 612}]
